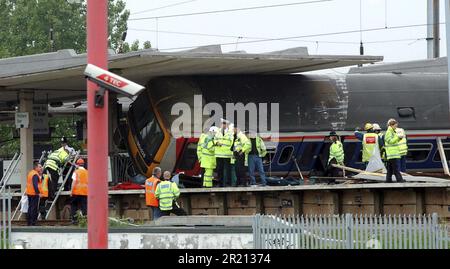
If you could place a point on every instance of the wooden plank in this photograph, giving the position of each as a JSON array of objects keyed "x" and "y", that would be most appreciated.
[
  {"x": 206, "y": 201},
  {"x": 358, "y": 209},
  {"x": 279, "y": 211},
  {"x": 242, "y": 211},
  {"x": 241, "y": 200},
  {"x": 420, "y": 201},
  {"x": 399, "y": 197},
  {"x": 318, "y": 197},
  {"x": 382, "y": 177},
  {"x": 399, "y": 209},
  {"x": 378, "y": 200},
  {"x": 280, "y": 199},
  {"x": 441, "y": 210},
  {"x": 259, "y": 202},
  {"x": 313, "y": 209},
  {"x": 358, "y": 197},
  {"x": 298, "y": 203},
  {"x": 435, "y": 196},
  {"x": 203, "y": 211}
]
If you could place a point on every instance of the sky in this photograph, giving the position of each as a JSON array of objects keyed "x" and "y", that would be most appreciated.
[{"x": 288, "y": 21}]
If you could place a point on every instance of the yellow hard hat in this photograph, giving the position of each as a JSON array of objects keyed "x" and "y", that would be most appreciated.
[{"x": 368, "y": 126}]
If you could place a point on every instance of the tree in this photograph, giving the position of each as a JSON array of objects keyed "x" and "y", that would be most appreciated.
[
  {"x": 147, "y": 45},
  {"x": 135, "y": 45},
  {"x": 26, "y": 25}
]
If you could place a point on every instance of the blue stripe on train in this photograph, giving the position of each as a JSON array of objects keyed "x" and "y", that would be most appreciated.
[{"x": 309, "y": 154}]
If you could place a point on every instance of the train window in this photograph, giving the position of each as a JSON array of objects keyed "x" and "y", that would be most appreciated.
[
  {"x": 189, "y": 157},
  {"x": 145, "y": 127},
  {"x": 308, "y": 154},
  {"x": 285, "y": 155},
  {"x": 418, "y": 152},
  {"x": 437, "y": 156},
  {"x": 406, "y": 113}
]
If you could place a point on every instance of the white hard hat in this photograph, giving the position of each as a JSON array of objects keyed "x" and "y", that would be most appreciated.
[
  {"x": 376, "y": 127},
  {"x": 213, "y": 129}
]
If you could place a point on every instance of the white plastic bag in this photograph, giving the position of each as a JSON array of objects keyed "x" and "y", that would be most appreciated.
[
  {"x": 375, "y": 163},
  {"x": 24, "y": 204}
]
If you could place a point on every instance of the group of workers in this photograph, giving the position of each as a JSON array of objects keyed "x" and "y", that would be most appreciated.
[
  {"x": 42, "y": 184},
  {"x": 392, "y": 147},
  {"x": 161, "y": 194},
  {"x": 229, "y": 151},
  {"x": 226, "y": 150}
]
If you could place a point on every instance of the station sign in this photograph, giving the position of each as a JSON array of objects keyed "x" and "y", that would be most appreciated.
[
  {"x": 40, "y": 119},
  {"x": 22, "y": 120}
]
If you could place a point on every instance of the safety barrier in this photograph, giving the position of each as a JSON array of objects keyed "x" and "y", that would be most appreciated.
[
  {"x": 5, "y": 224},
  {"x": 350, "y": 232},
  {"x": 120, "y": 166}
]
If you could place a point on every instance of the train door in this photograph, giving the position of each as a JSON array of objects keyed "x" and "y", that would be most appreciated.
[
  {"x": 281, "y": 160},
  {"x": 187, "y": 161},
  {"x": 308, "y": 155}
]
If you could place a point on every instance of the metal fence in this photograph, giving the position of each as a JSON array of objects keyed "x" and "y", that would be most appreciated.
[
  {"x": 121, "y": 167},
  {"x": 350, "y": 232},
  {"x": 5, "y": 223}
]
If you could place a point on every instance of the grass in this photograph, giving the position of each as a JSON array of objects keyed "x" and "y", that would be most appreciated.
[
  {"x": 112, "y": 222},
  {"x": 3, "y": 244}
]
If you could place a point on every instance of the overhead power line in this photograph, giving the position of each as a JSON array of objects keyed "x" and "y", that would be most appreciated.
[
  {"x": 313, "y": 35},
  {"x": 228, "y": 10},
  {"x": 158, "y": 8},
  {"x": 264, "y": 38}
]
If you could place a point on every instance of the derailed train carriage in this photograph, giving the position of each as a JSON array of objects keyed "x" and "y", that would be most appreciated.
[{"x": 309, "y": 107}]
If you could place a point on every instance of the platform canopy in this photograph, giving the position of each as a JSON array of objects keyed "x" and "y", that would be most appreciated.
[{"x": 59, "y": 76}]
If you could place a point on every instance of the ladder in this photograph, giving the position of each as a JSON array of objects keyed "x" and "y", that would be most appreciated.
[
  {"x": 9, "y": 171},
  {"x": 61, "y": 169},
  {"x": 70, "y": 161}
]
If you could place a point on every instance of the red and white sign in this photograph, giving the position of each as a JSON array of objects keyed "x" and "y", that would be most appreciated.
[
  {"x": 112, "y": 80},
  {"x": 119, "y": 84}
]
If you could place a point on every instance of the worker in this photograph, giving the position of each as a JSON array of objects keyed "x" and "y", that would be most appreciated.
[
  {"x": 391, "y": 139},
  {"x": 43, "y": 195},
  {"x": 377, "y": 130},
  {"x": 150, "y": 187},
  {"x": 208, "y": 163},
  {"x": 336, "y": 156},
  {"x": 241, "y": 147},
  {"x": 71, "y": 151},
  {"x": 167, "y": 193},
  {"x": 52, "y": 165},
  {"x": 369, "y": 141},
  {"x": 403, "y": 148},
  {"x": 32, "y": 192},
  {"x": 223, "y": 141},
  {"x": 201, "y": 139},
  {"x": 254, "y": 158},
  {"x": 79, "y": 190}
]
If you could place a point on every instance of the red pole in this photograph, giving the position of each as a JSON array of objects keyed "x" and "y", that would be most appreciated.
[{"x": 97, "y": 50}]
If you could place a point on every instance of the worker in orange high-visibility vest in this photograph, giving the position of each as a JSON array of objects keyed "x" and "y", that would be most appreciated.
[
  {"x": 43, "y": 194},
  {"x": 150, "y": 187},
  {"x": 32, "y": 192},
  {"x": 79, "y": 191}
]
